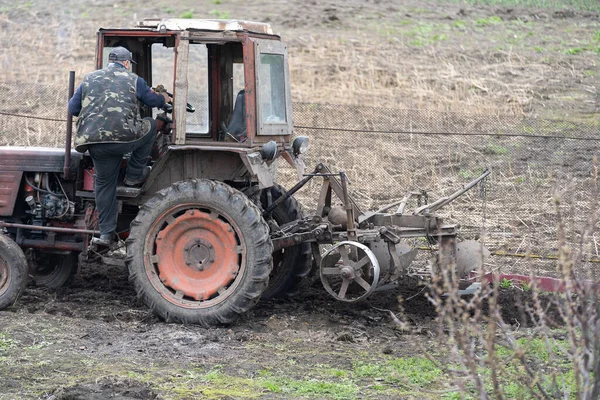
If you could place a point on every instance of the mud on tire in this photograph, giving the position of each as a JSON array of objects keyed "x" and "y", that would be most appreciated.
[
  {"x": 13, "y": 271},
  {"x": 199, "y": 252},
  {"x": 291, "y": 264}
]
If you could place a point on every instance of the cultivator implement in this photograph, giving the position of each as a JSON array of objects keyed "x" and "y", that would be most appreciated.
[{"x": 369, "y": 249}]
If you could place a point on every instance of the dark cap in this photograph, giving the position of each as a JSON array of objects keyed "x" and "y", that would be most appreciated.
[{"x": 120, "y": 54}]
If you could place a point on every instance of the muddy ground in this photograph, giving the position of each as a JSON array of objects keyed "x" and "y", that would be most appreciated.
[{"x": 94, "y": 340}]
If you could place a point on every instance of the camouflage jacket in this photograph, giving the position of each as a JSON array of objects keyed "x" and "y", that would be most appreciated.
[{"x": 109, "y": 108}]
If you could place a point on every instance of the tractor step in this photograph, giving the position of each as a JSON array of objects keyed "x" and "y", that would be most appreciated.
[{"x": 122, "y": 191}]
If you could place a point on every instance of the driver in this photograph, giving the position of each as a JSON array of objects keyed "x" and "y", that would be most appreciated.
[{"x": 109, "y": 126}]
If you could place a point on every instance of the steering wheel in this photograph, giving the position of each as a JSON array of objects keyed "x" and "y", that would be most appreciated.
[{"x": 168, "y": 107}]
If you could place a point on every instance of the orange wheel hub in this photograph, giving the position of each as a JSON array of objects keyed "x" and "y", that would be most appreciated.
[{"x": 197, "y": 256}]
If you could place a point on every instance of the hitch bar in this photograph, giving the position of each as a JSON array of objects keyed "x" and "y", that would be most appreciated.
[{"x": 429, "y": 208}]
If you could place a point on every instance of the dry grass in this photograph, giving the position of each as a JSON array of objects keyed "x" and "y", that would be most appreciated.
[
  {"x": 399, "y": 55},
  {"x": 379, "y": 73}
]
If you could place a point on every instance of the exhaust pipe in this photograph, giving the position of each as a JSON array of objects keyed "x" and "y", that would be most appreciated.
[{"x": 67, "y": 165}]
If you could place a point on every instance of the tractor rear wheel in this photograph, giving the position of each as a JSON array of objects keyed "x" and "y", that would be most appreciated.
[
  {"x": 199, "y": 252},
  {"x": 290, "y": 264},
  {"x": 13, "y": 271}
]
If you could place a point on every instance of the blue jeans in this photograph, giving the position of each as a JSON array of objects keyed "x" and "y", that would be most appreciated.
[{"x": 107, "y": 159}]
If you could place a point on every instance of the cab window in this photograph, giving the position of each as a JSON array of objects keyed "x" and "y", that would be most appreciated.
[{"x": 272, "y": 88}]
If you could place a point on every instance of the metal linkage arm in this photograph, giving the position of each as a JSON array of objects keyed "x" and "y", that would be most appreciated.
[{"x": 446, "y": 200}]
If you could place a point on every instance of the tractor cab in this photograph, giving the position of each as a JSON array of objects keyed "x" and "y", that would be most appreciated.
[{"x": 229, "y": 79}]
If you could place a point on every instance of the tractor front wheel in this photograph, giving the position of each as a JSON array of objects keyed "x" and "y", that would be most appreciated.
[
  {"x": 13, "y": 271},
  {"x": 199, "y": 252},
  {"x": 53, "y": 270}
]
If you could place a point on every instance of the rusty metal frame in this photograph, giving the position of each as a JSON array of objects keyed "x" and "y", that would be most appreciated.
[
  {"x": 262, "y": 46},
  {"x": 10, "y": 181}
]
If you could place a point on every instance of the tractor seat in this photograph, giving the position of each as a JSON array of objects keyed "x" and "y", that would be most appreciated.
[{"x": 236, "y": 130}]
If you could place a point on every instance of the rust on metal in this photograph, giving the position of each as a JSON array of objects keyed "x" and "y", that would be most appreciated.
[
  {"x": 35, "y": 159},
  {"x": 250, "y": 87},
  {"x": 9, "y": 189},
  {"x": 4, "y": 224},
  {"x": 196, "y": 258},
  {"x": 219, "y": 25},
  {"x": 350, "y": 222},
  {"x": 51, "y": 244}
]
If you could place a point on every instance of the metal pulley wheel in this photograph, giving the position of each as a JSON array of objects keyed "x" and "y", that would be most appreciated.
[{"x": 349, "y": 271}]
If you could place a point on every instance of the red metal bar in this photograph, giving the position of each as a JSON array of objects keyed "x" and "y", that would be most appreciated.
[
  {"x": 250, "y": 86},
  {"x": 545, "y": 283},
  {"x": 48, "y": 228},
  {"x": 55, "y": 245},
  {"x": 214, "y": 86}
]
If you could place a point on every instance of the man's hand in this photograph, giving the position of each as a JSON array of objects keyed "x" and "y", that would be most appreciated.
[
  {"x": 161, "y": 90},
  {"x": 168, "y": 99}
]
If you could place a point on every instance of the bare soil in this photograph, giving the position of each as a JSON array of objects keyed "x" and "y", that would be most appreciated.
[
  {"x": 84, "y": 341},
  {"x": 94, "y": 340}
]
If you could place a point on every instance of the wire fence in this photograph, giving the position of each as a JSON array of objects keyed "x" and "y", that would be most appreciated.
[{"x": 388, "y": 152}]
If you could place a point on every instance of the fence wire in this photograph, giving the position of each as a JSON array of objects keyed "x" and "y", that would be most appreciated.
[{"x": 388, "y": 152}]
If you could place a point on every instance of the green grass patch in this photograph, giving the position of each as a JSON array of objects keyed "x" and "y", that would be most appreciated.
[
  {"x": 459, "y": 24},
  {"x": 574, "y": 51},
  {"x": 537, "y": 353},
  {"x": 427, "y": 34},
  {"x": 493, "y": 20},
  {"x": 187, "y": 14},
  {"x": 470, "y": 174},
  {"x": 218, "y": 14},
  {"x": 344, "y": 389},
  {"x": 506, "y": 283},
  {"x": 217, "y": 384},
  {"x": 407, "y": 372},
  {"x": 496, "y": 149},
  {"x": 5, "y": 342}
]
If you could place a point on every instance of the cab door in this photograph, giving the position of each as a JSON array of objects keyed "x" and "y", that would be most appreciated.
[{"x": 273, "y": 95}]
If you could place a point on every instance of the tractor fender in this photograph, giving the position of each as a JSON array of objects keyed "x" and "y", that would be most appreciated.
[{"x": 219, "y": 163}]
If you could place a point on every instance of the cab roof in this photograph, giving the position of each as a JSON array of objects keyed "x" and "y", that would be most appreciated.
[{"x": 217, "y": 25}]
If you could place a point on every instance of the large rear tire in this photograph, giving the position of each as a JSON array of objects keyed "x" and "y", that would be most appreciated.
[
  {"x": 13, "y": 271},
  {"x": 199, "y": 252},
  {"x": 291, "y": 264}
]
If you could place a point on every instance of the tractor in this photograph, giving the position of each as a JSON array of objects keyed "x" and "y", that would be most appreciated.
[{"x": 210, "y": 232}]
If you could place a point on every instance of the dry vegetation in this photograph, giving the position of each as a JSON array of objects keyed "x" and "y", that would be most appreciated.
[
  {"x": 418, "y": 60},
  {"x": 513, "y": 340},
  {"x": 432, "y": 55}
]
